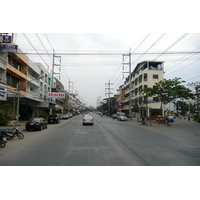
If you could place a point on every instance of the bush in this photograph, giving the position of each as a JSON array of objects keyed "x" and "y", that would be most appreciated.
[{"x": 3, "y": 120}]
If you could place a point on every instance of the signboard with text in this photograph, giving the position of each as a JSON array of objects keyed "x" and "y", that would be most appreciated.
[
  {"x": 9, "y": 48},
  {"x": 7, "y": 38},
  {"x": 56, "y": 95},
  {"x": 3, "y": 92}
]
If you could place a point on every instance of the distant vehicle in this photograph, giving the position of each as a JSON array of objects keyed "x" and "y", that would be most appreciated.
[
  {"x": 70, "y": 115},
  {"x": 36, "y": 124},
  {"x": 65, "y": 116},
  {"x": 170, "y": 118},
  {"x": 121, "y": 116},
  {"x": 87, "y": 119},
  {"x": 55, "y": 118},
  {"x": 114, "y": 116}
]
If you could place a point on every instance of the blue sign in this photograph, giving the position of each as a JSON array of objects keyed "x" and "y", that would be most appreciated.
[
  {"x": 9, "y": 48},
  {"x": 7, "y": 38}
]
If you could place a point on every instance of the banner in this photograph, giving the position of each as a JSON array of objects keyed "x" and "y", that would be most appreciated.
[{"x": 56, "y": 95}]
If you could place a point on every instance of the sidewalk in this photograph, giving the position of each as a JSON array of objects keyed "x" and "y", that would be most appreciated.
[{"x": 21, "y": 125}]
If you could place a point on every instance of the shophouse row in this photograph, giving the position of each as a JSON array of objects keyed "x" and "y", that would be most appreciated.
[{"x": 25, "y": 85}]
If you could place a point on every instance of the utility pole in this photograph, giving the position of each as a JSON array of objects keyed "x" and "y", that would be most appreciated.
[
  {"x": 107, "y": 85},
  {"x": 54, "y": 64},
  {"x": 98, "y": 101},
  {"x": 129, "y": 72},
  {"x": 71, "y": 87},
  {"x": 18, "y": 98}
]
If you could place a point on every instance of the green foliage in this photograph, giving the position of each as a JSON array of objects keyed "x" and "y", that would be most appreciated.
[
  {"x": 3, "y": 120},
  {"x": 167, "y": 90},
  {"x": 5, "y": 108}
]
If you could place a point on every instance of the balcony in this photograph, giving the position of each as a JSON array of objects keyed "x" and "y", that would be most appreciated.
[{"x": 19, "y": 74}]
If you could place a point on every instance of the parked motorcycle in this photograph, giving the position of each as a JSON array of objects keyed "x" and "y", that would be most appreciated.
[
  {"x": 15, "y": 132},
  {"x": 3, "y": 140}
]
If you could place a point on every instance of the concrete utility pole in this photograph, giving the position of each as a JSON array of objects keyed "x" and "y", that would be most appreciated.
[
  {"x": 107, "y": 85},
  {"x": 98, "y": 101},
  {"x": 128, "y": 63},
  {"x": 54, "y": 64},
  {"x": 18, "y": 99},
  {"x": 71, "y": 87}
]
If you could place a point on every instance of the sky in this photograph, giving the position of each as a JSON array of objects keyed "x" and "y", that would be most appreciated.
[
  {"x": 88, "y": 75},
  {"x": 108, "y": 26}
]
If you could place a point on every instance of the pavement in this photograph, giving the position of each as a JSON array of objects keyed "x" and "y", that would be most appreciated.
[{"x": 21, "y": 125}]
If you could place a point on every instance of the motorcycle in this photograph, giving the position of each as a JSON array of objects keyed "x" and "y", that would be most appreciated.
[
  {"x": 3, "y": 140},
  {"x": 15, "y": 132}
]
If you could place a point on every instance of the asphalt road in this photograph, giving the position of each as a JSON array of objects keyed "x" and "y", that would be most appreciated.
[{"x": 107, "y": 143}]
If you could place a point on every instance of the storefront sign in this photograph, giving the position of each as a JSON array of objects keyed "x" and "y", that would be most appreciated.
[
  {"x": 56, "y": 95},
  {"x": 7, "y": 39},
  {"x": 3, "y": 92},
  {"x": 42, "y": 105},
  {"x": 9, "y": 48}
]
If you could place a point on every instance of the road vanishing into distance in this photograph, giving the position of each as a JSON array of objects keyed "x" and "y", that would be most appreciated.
[{"x": 107, "y": 143}]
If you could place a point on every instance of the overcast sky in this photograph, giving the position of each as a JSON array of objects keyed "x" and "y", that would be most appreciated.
[
  {"x": 89, "y": 73},
  {"x": 107, "y": 26}
]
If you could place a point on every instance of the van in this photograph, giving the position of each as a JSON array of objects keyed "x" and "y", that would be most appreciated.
[{"x": 121, "y": 116}]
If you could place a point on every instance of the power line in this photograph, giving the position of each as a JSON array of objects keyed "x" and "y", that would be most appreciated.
[
  {"x": 172, "y": 45},
  {"x": 43, "y": 45},
  {"x": 159, "y": 38},
  {"x": 34, "y": 48},
  {"x": 48, "y": 40}
]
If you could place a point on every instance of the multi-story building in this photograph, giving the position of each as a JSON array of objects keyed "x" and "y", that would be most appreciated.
[
  {"x": 24, "y": 85},
  {"x": 145, "y": 74}
]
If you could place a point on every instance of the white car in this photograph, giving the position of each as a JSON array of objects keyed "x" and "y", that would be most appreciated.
[
  {"x": 122, "y": 118},
  {"x": 87, "y": 119}
]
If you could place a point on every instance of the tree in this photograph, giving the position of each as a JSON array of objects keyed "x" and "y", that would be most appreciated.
[{"x": 166, "y": 91}]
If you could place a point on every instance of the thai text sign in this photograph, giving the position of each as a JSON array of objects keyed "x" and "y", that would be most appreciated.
[
  {"x": 7, "y": 38},
  {"x": 56, "y": 95},
  {"x": 9, "y": 48},
  {"x": 3, "y": 92}
]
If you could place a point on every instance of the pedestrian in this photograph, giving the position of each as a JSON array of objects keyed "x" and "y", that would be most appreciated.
[
  {"x": 143, "y": 120},
  {"x": 188, "y": 118}
]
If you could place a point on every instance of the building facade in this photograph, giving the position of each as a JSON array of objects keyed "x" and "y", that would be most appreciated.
[
  {"x": 25, "y": 86},
  {"x": 130, "y": 99}
]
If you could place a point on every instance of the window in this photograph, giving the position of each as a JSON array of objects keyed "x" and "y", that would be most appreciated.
[{"x": 155, "y": 76}]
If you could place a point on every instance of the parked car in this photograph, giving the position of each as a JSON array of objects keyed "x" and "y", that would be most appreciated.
[
  {"x": 121, "y": 116},
  {"x": 65, "y": 116},
  {"x": 37, "y": 123},
  {"x": 70, "y": 115},
  {"x": 87, "y": 119},
  {"x": 55, "y": 119}
]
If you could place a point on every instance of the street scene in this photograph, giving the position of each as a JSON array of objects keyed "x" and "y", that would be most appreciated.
[
  {"x": 107, "y": 142},
  {"x": 145, "y": 116},
  {"x": 100, "y": 100}
]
